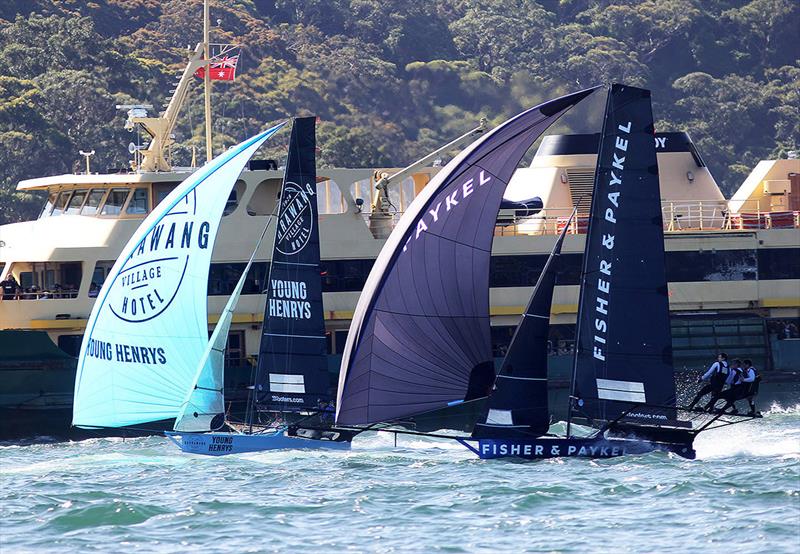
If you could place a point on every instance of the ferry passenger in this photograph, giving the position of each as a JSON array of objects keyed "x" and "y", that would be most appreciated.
[
  {"x": 743, "y": 389},
  {"x": 715, "y": 378}
]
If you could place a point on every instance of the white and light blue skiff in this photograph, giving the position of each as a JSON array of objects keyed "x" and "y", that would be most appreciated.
[{"x": 146, "y": 361}]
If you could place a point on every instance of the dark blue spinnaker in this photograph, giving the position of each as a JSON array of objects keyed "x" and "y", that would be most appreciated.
[
  {"x": 623, "y": 346},
  {"x": 292, "y": 372},
  {"x": 419, "y": 338},
  {"x": 517, "y": 406}
]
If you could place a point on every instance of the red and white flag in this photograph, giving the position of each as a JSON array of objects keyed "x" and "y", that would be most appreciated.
[{"x": 221, "y": 69}]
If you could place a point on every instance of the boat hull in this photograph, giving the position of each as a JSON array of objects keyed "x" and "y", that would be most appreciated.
[
  {"x": 221, "y": 444},
  {"x": 562, "y": 447}
]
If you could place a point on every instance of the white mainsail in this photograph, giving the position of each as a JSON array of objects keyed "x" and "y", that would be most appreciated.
[
  {"x": 148, "y": 329},
  {"x": 205, "y": 399}
]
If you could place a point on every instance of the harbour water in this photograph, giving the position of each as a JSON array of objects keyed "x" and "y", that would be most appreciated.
[{"x": 742, "y": 494}]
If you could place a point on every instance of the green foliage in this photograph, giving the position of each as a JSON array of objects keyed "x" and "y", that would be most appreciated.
[{"x": 390, "y": 80}]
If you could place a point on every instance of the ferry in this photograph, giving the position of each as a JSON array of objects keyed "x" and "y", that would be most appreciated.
[{"x": 733, "y": 264}]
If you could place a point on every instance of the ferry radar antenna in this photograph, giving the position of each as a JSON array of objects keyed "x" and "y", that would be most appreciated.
[{"x": 87, "y": 155}]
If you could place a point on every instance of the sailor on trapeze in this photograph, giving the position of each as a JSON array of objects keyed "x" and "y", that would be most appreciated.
[
  {"x": 716, "y": 378},
  {"x": 745, "y": 387}
]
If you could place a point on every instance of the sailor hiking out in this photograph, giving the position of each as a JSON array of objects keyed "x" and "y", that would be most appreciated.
[
  {"x": 715, "y": 378},
  {"x": 745, "y": 387}
]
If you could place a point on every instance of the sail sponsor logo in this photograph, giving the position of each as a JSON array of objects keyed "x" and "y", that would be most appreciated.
[
  {"x": 289, "y": 299},
  {"x": 436, "y": 215},
  {"x": 295, "y": 219},
  {"x": 640, "y": 415},
  {"x": 125, "y": 353},
  {"x": 153, "y": 273},
  {"x": 287, "y": 399},
  {"x": 544, "y": 450},
  {"x": 603, "y": 271}
]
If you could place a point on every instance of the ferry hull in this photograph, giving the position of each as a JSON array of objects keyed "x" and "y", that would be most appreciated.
[
  {"x": 560, "y": 447},
  {"x": 221, "y": 444}
]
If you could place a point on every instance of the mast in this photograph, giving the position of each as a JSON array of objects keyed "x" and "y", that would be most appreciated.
[{"x": 207, "y": 79}]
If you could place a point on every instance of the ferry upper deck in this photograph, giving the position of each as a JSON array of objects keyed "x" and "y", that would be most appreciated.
[{"x": 732, "y": 263}]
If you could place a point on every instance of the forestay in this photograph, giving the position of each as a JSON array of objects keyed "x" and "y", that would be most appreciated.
[
  {"x": 624, "y": 344},
  {"x": 149, "y": 326},
  {"x": 419, "y": 338},
  {"x": 517, "y": 405},
  {"x": 292, "y": 363}
]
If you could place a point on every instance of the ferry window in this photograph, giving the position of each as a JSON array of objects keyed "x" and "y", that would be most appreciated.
[
  {"x": 363, "y": 189},
  {"x": 344, "y": 275},
  {"x": 222, "y": 278},
  {"x": 161, "y": 190},
  {"x": 61, "y": 203},
  {"x": 48, "y": 207},
  {"x": 233, "y": 198},
  {"x": 114, "y": 202},
  {"x": 779, "y": 263},
  {"x": 99, "y": 275},
  {"x": 711, "y": 265},
  {"x": 139, "y": 202},
  {"x": 27, "y": 279},
  {"x": 234, "y": 349},
  {"x": 71, "y": 274},
  {"x": 75, "y": 203},
  {"x": 329, "y": 198},
  {"x": 264, "y": 198},
  {"x": 49, "y": 279},
  {"x": 407, "y": 190},
  {"x": 93, "y": 202}
]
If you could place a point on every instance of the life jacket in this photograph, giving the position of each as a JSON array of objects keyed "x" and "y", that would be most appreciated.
[
  {"x": 719, "y": 376},
  {"x": 751, "y": 389}
]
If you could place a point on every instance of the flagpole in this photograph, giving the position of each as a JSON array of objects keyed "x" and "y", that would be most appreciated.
[{"x": 207, "y": 79}]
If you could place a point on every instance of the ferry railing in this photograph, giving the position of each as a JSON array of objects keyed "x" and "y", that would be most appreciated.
[{"x": 678, "y": 216}]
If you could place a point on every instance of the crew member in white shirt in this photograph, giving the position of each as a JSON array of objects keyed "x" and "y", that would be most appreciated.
[{"x": 714, "y": 378}]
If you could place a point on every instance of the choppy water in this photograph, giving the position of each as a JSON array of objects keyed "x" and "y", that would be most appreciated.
[{"x": 741, "y": 495}]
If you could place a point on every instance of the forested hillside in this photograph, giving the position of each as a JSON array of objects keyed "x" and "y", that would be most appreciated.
[{"x": 390, "y": 79}]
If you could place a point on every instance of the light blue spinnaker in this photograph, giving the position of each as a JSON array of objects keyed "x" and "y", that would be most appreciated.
[{"x": 148, "y": 329}]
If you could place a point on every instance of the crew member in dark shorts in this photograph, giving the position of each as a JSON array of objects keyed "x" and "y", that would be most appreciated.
[
  {"x": 715, "y": 379},
  {"x": 744, "y": 388}
]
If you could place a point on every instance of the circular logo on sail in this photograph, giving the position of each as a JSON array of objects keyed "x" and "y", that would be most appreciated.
[
  {"x": 295, "y": 219},
  {"x": 157, "y": 267}
]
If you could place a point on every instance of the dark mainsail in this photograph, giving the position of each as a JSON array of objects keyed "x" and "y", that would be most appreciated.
[
  {"x": 517, "y": 405},
  {"x": 623, "y": 345},
  {"x": 419, "y": 339},
  {"x": 292, "y": 370}
]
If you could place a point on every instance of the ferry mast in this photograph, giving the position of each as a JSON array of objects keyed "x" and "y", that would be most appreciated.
[{"x": 160, "y": 128}]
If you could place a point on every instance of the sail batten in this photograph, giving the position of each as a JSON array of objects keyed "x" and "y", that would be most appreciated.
[
  {"x": 149, "y": 325},
  {"x": 424, "y": 311}
]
